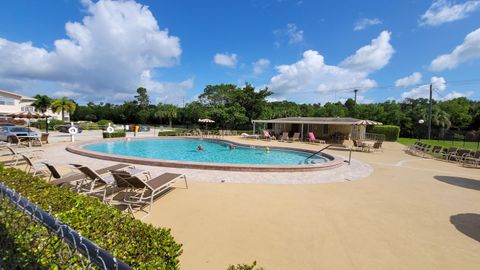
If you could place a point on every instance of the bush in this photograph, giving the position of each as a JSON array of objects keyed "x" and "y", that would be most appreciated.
[
  {"x": 245, "y": 267},
  {"x": 115, "y": 134},
  {"x": 103, "y": 124},
  {"x": 168, "y": 133},
  {"x": 391, "y": 132},
  {"x": 139, "y": 245}
]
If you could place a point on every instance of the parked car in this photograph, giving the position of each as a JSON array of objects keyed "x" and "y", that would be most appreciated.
[
  {"x": 7, "y": 125},
  {"x": 7, "y": 132},
  {"x": 64, "y": 128}
]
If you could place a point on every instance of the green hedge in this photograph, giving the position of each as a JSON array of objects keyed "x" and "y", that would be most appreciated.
[
  {"x": 391, "y": 132},
  {"x": 116, "y": 134},
  {"x": 168, "y": 133},
  {"x": 139, "y": 245}
]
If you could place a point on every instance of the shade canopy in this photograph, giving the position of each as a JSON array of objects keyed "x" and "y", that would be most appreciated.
[
  {"x": 368, "y": 123},
  {"x": 206, "y": 120}
]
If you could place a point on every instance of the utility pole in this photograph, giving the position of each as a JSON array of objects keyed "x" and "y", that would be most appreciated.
[
  {"x": 430, "y": 113},
  {"x": 355, "y": 91}
]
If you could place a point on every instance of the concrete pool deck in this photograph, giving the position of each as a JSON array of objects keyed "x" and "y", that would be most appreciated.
[{"x": 409, "y": 213}]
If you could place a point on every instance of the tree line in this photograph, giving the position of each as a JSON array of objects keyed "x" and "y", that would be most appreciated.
[{"x": 233, "y": 107}]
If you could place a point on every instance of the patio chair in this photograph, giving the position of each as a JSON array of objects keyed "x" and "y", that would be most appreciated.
[
  {"x": 377, "y": 146},
  {"x": 16, "y": 154},
  {"x": 146, "y": 190},
  {"x": 267, "y": 136},
  {"x": 448, "y": 152},
  {"x": 44, "y": 138},
  {"x": 295, "y": 137},
  {"x": 472, "y": 160},
  {"x": 55, "y": 173},
  {"x": 80, "y": 176},
  {"x": 95, "y": 183},
  {"x": 312, "y": 139},
  {"x": 460, "y": 155},
  {"x": 33, "y": 165},
  {"x": 285, "y": 137},
  {"x": 436, "y": 150}
]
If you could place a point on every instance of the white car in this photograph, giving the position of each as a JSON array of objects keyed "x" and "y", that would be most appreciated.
[{"x": 7, "y": 132}]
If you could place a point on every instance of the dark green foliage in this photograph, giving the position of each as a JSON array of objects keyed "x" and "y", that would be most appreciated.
[
  {"x": 116, "y": 134},
  {"x": 391, "y": 132},
  {"x": 245, "y": 267},
  {"x": 140, "y": 245},
  {"x": 168, "y": 133}
]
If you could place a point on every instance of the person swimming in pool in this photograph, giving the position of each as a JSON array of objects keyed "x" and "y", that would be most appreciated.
[
  {"x": 200, "y": 147},
  {"x": 231, "y": 146}
]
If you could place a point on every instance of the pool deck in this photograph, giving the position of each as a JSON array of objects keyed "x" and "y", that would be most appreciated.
[{"x": 402, "y": 212}]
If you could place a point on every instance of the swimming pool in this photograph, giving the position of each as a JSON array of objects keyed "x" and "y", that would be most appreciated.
[
  {"x": 213, "y": 152},
  {"x": 216, "y": 154}
]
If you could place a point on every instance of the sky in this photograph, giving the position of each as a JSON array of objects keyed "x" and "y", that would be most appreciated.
[{"x": 305, "y": 51}]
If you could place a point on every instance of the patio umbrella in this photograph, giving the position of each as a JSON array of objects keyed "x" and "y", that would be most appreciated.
[
  {"x": 368, "y": 123},
  {"x": 29, "y": 115},
  {"x": 206, "y": 121}
]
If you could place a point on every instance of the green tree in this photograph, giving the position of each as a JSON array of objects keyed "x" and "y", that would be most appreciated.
[
  {"x": 63, "y": 105},
  {"x": 142, "y": 98},
  {"x": 42, "y": 103},
  {"x": 166, "y": 111}
]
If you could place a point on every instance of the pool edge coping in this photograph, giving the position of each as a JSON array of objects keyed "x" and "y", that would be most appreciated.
[{"x": 78, "y": 148}]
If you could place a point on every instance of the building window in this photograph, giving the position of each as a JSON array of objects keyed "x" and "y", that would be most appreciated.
[
  {"x": 325, "y": 129},
  {"x": 7, "y": 101},
  {"x": 28, "y": 109}
]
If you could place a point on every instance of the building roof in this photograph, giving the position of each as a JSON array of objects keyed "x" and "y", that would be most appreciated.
[
  {"x": 21, "y": 97},
  {"x": 318, "y": 120}
]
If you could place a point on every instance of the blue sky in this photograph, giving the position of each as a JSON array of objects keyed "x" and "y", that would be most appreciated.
[{"x": 304, "y": 51}]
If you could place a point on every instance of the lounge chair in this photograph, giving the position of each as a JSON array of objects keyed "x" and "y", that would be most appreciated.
[
  {"x": 312, "y": 139},
  {"x": 248, "y": 136},
  {"x": 95, "y": 183},
  {"x": 436, "y": 150},
  {"x": 295, "y": 137},
  {"x": 55, "y": 173},
  {"x": 146, "y": 190},
  {"x": 447, "y": 153},
  {"x": 44, "y": 138},
  {"x": 80, "y": 176},
  {"x": 267, "y": 136},
  {"x": 16, "y": 154},
  {"x": 285, "y": 137},
  {"x": 460, "y": 155},
  {"x": 472, "y": 160},
  {"x": 33, "y": 165}
]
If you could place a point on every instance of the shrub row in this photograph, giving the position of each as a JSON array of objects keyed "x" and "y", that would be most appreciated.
[
  {"x": 139, "y": 245},
  {"x": 391, "y": 132},
  {"x": 116, "y": 134},
  {"x": 168, "y": 133}
]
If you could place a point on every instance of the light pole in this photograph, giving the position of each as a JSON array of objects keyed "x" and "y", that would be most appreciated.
[{"x": 421, "y": 121}]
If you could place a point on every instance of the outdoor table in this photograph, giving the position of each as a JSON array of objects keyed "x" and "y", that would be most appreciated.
[
  {"x": 29, "y": 139},
  {"x": 138, "y": 172}
]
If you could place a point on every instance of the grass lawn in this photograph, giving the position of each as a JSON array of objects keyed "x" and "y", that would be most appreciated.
[{"x": 460, "y": 144}]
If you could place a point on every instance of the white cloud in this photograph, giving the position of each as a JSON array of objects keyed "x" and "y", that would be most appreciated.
[
  {"x": 104, "y": 54},
  {"x": 422, "y": 91},
  {"x": 225, "y": 59},
  {"x": 69, "y": 94},
  {"x": 291, "y": 33},
  {"x": 371, "y": 57},
  {"x": 166, "y": 91},
  {"x": 444, "y": 11},
  {"x": 312, "y": 74},
  {"x": 295, "y": 35},
  {"x": 366, "y": 22},
  {"x": 456, "y": 94},
  {"x": 415, "y": 78},
  {"x": 260, "y": 66},
  {"x": 468, "y": 50}
]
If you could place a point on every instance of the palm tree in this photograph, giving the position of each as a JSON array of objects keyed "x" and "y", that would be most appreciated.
[
  {"x": 168, "y": 111},
  {"x": 441, "y": 119},
  {"x": 42, "y": 103},
  {"x": 63, "y": 104}
]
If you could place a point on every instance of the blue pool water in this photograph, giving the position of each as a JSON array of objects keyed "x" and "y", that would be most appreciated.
[{"x": 213, "y": 151}]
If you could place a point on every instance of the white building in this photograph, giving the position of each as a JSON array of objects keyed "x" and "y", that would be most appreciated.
[{"x": 12, "y": 103}]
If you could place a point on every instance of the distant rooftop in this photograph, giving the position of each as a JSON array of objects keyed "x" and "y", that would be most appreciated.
[
  {"x": 314, "y": 120},
  {"x": 22, "y": 97}
]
